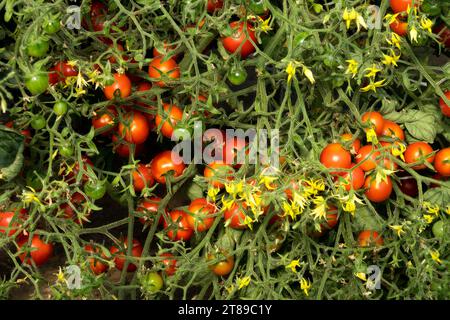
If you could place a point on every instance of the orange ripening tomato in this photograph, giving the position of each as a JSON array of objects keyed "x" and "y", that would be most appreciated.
[
  {"x": 201, "y": 214},
  {"x": 160, "y": 68},
  {"x": 39, "y": 253},
  {"x": 442, "y": 162},
  {"x": 393, "y": 130},
  {"x": 222, "y": 268},
  {"x": 148, "y": 208},
  {"x": 369, "y": 238},
  {"x": 120, "y": 254},
  {"x": 334, "y": 156},
  {"x": 180, "y": 232},
  {"x": 239, "y": 39},
  {"x": 399, "y": 27},
  {"x": 165, "y": 162},
  {"x": 354, "y": 179},
  {"x": 445, "y": 108},
  {"x": 170, "y": 263},
  {"x": 121, "y": 83},
  {"x": 403, "y": 5},
  {"x": 213, "y": 5},
  {"x": 416, "y": 151},
  {"x": 355, "y": 145},
  {"x": 376, "y": 120},
  {"x": 378, "y": 192},
  {"x": 367, "y": 157},
  {"x": 134, "y": 128},
  {"x": 105, "y": 118},
  {"x": 142, "y": 177},
  {"x": 218, "y": 169},
  {"x": 97, "y": 266},
  {"x": 171, "y": 116}
]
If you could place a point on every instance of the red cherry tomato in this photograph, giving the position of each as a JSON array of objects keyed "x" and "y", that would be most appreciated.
[
  {"x": 235, "y": 216},
  {"x": 121, "y": 83},
  {"x": 142, "y": 177},
  {"x": 408, "y": 185},
  {"x": 170, "y": 263},
  {"x": 416, "y": 151},
  {"x": 134, "y": 128},
  {"x": 233, "y": 43},
  {"x": 442, "y": 162},
  {"x": 120, "y": 254},
  {"x": 378, "y": 192},
  {"x": 222, "y": 268},
  {"x": 169, "y": 119},
  {"x": 399, "y": 27},
  {"x": 11, "y": 220},
  {"x": 218, "y": 169},
  {"x": 234, "y": 151},
  {"x": 148, "y": 208},
  {"x": 369, "y": 238},
  {"x": 168, "y": 48},
  {"x": 97, "y": 266},
  {"x": 367, "y": 158},
  {"x": 39, "y": 252},
  {"x": 213, "y": 5},
  {"x": 445, "y": 108},
  {"x": 77, "y": 200},
  {"x": 356, "y": 143},
  {"x": 334, "y": 156},
  {"x": 165, "y": 162},
  {"x": 393, "y": 130},
  {"x": 200, "y": 217},
  {"x": 354, "y": 179},
  {"x": 105, "y": 118},
  {"x": 376, "y": 120},
  {"x": 159, "y": 69},
  {"x": 403, "y": 5},
  {"x": 71, "y": 175},
  {"x": 181, "y": 230}
]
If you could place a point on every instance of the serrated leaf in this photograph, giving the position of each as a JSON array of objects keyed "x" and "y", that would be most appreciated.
[
  {"x": 438, "y": 196},
  {"x": 11, "y": 153},
  {"x": 420, "y": 125},
  {"x": 366, "y": 220}
]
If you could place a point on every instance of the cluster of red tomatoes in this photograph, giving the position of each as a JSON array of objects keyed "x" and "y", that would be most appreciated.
[
  {"x": 355, "y": 176},
  {"x": 431, "y": 8}
]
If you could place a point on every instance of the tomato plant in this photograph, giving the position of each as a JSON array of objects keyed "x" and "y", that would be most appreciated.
[
  {"x": 120, "y": 254},
  {"x": 37, "y": 250},
  {"x": 167, "y": 121},
  {"x": 164, "y": 163},
  {"x": 142, "y": 177},
  {"x": 419, "y": 152},
  {"x": 121, "y": 84},
  {"x": 239, "y": 41},
  {"x": 378, "y": 191},
  {"x": 134, "y": 127},
  {"x": 161, "y": 68},
  {"x": 200, "y": 216},
  {"x": 177, "y": 226}
]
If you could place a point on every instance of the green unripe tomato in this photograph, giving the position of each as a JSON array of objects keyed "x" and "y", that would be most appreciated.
[
  {"x": 66, "y": 151},
  {"x": 438, "y": 229},
  {"x": 237, "y": 76},
  {"x": 38, "y": 122},
  {"x": 95, "y": 190},
  {"x": 152, "y": 282},
  {"x": 37, "y": 48},
  {"x": 37, "y": 82},
  {"x": 51, "y": 26},
  {"x": 60, "y": 108},
  {"x": 257, "y": 6}
]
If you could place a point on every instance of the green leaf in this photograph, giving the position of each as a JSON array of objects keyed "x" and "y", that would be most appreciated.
[
  {"x": 11, "y": 153},
  {"x": 194, "y": 191},
  {"x": 366, "y": 220},
  {"x": 439, "y": 196}
]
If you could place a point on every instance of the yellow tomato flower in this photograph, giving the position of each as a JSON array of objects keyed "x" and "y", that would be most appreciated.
[
  {"x": 320, "y": 210},
  {"x": 391, "y": 59},
  {"x": 373, "y": 86},
  {"x": 308, "y": 74},
  {"x": 293, "y": 265},
  {"x": 413, "y": 34},
  {"x": 349, "y": 16},
  {"x": 305, "y": 285},
  {"x": 426, "y": 24},
  {"x": 435, "y": 256},
  {"x": 398, "y": 229},
  {"x": 352, "y": 67},
  {"x": 372, "y": 71},
  {"x": 243, "y": 282},
  {"x": 290, "y": 70}
]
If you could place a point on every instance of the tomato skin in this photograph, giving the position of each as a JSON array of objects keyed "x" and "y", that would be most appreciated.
[
  {"x": 399, "y": 27},
  {"x": 445, "y": 108},
  {"x": 94, "y": 190},
  {"x": 97, "y": 267},
  {"x": 152, "y": 282},
  {"x": 170, "y": 263},
  {"x": 356, "y": 145},
  {"x": 354, "y": 179},
  {"x": 233, "y": 42},
  {"x": 218, "y": 168},
  {"x": 393, "y": 130},
  {"x": 120, "y": 254},
  {"x": 415, "y": 151},
  {"x": 369, "y": 238},
  {"x": 378, "y": 192},
  {"x": 73, "y": 174},
  {"x": 402, "y": 5},
  {"x": 222, "y": 268},
  {"x": 376, "y": 119},
  {"x": 235, "y": 216},
  {"x": 335, "y": 156},
  {"x": 442, "y": 162},
  {"x": 121, "y": 83},
  {"x": 64, "y": 70},
  {"x": 183, "y": 232},
  {"x": 148, "y": 207},
  {"x": 60, "y": 108},
  {"x": 213, "y": 5},
  {"x": 200, "y": 214},
  {"x": 134, "y": 128},
  {"x": 40, "y": 253},
  {"x": 159, "y": 68},
  {"x": 105, "y": 118},
  {"x": 438, "y": 229},
  {"x": 367, "y": 162},
  {"x": 6, "y": 221},
  {"x": 165, "y": 162},
  {"x": 409, "y": 186},
  {"x": 142, "y": 177},
  {"x": 237, "y": 75},
  {"x": 234, "y": 151},
  {"x": 172, "y": 115},
  {"x": 37, "y": 82},
  {"x": 38, "y": 48}
]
